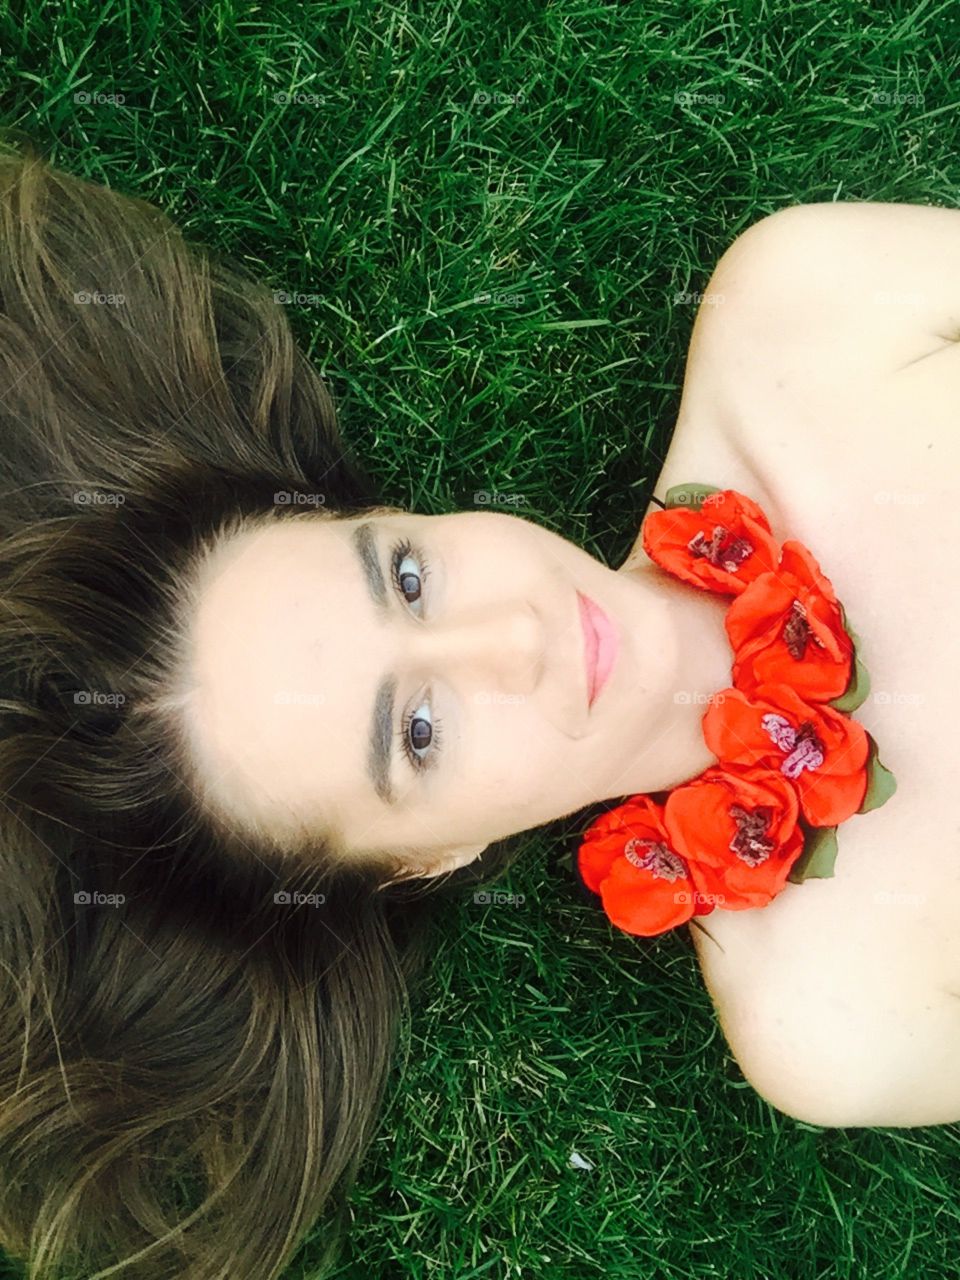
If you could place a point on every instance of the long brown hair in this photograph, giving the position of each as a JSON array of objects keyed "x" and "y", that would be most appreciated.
[{"x": 191, "y": 1063}]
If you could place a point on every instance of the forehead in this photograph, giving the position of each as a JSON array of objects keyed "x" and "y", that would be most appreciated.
[{"x": 281, "y": 620}]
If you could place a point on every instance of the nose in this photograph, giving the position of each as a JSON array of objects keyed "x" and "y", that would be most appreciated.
[{"x": 502, "y": 644}]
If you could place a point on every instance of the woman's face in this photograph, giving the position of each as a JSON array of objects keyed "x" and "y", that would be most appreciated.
[{"x": 411, "y": 683}]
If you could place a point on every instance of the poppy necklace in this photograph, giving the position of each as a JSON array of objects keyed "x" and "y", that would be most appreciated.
[{"x": 791, "y": 763}]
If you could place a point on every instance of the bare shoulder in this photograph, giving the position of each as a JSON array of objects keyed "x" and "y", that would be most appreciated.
[
  {"x": 906, "y": 239},
  {"x": 876, "y": 283},
  {"x": 811, "y": 314},
  {"x": 892, "y": 222},
  {"x": 842, "y": 1034}
]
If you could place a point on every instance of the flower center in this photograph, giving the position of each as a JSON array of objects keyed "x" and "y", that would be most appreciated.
[
  {"x": 724, "y": 550},
  {"x": 751, "y": 843},
  {"x": 796, "y": 633},
  {"x": 803, "y": 748},
  {"x": 656, "y": 858}
]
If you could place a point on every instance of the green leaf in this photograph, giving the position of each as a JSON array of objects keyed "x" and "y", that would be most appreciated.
[
  {"x": 688, "y": 495},
  {"x": 819, "y": 854},
  {"x": 858, "y": 685},
  {"x": 846, "y": 625},
  {"x": 881, "y": 784},
  {"x": 856, "y": 690}
]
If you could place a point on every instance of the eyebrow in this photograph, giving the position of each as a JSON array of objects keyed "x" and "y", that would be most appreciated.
[{"x": 380, "y": 740}]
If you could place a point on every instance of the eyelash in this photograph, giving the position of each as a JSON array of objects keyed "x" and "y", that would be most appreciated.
[{"x": 398, "y": 554}]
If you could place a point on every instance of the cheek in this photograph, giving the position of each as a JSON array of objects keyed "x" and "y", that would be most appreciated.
[
  {"x": 499, "y": 548},
  {"x": 512, "y": 744}
]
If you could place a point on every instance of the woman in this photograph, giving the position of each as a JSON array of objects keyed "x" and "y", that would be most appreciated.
[{"x": 253, "y": 718}]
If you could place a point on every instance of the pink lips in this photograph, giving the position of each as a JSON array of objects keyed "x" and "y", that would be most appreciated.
[{"x": 601, "y": 645}]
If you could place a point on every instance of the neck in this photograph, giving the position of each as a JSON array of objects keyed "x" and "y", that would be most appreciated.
[{"x": 693, "y": 664}]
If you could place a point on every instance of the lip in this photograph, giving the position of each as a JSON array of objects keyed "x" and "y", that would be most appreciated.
[{"x": 601, "y": 646}]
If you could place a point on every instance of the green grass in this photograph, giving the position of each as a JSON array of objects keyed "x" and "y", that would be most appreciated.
[{"x": 398, "y": 198}]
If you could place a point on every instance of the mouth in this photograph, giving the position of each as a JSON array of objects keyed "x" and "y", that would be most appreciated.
[{"x": 601, "y": 644}]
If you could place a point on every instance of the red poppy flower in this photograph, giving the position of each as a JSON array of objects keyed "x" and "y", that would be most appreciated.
[
  {"x": 822, "y": 752},
  {"x": 730, "y": 837},
  {"x": 645, "y": 886},
  {"x": 738, "y": 830},
  {"x": 721, "y": 547},
  {"x": 787, "y": 628}
]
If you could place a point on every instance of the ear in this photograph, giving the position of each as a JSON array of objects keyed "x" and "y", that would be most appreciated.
[
  {"x": 451, "y": 859},
  {"x": 448, "y": 860}
]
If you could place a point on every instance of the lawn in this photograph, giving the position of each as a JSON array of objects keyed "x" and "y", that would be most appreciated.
[{"x": 492, "y": 225}]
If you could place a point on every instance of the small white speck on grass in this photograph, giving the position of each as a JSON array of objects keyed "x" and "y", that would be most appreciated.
[{"x": 577, "y": 1161}]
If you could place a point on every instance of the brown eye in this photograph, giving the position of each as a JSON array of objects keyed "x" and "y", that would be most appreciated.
[
  {"x": 410, "y": 571},
  {"x": 409, "y": 582},
  {"x": 420, "y": 732}
]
